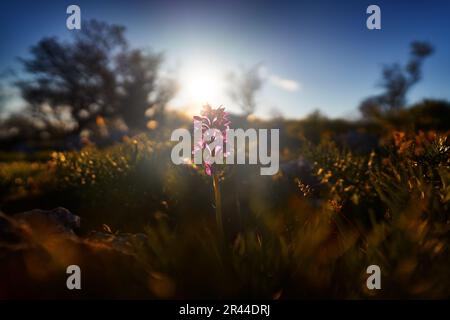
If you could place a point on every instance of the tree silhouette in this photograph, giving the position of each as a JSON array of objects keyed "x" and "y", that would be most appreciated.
[
  {"x": 138, "y": 78},
  {"x": 396, "y": 82},
  {"x": 4, "y": 94},
  {"x": 95, "y": 74},
  {"x": 3, "y": 99},
  {"x": 244, "y": 87}
]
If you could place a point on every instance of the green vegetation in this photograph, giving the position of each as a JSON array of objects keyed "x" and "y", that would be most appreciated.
[{"x": 287, "y": 236}]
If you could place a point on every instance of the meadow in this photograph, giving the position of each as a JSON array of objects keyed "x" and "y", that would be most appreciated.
[{"x": 148, "y": 227}]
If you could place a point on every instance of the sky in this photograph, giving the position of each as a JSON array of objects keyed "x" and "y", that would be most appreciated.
[{"x": 313, "y": 54}]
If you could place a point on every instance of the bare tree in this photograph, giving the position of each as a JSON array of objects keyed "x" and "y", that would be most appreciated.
[
  {"x": 244, "y": 88},
  {"x": 4, "y": 94},
  {"x": 397, "y": 81},
  {"x": 3, "y": 99}
]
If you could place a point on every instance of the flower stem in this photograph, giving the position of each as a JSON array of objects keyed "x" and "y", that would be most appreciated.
[{"x": 218, "y": 202}]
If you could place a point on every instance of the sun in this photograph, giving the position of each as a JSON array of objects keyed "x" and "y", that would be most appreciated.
[{"x": 201, "y": 84}]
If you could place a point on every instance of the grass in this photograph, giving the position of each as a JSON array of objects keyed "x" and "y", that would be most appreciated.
[{"x": 284, "y": 238}]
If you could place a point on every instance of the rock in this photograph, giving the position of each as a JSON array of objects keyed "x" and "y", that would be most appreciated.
[
  {"x": 37, "y": 246},
  {"x": 58, "y": 220},
  {"x": 10, "y": 232}
]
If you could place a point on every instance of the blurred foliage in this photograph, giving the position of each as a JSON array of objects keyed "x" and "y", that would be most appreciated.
[{"x": 285, "y": 237}]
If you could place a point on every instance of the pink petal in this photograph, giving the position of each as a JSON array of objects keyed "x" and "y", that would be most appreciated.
[{"x": 208, "y": 168}]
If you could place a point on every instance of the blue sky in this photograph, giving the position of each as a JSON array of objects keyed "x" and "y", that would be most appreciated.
[{"x": 316, "y": 54}]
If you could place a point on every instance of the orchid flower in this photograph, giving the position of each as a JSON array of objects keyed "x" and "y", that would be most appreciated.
[{"x": 212, "y": 119}]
